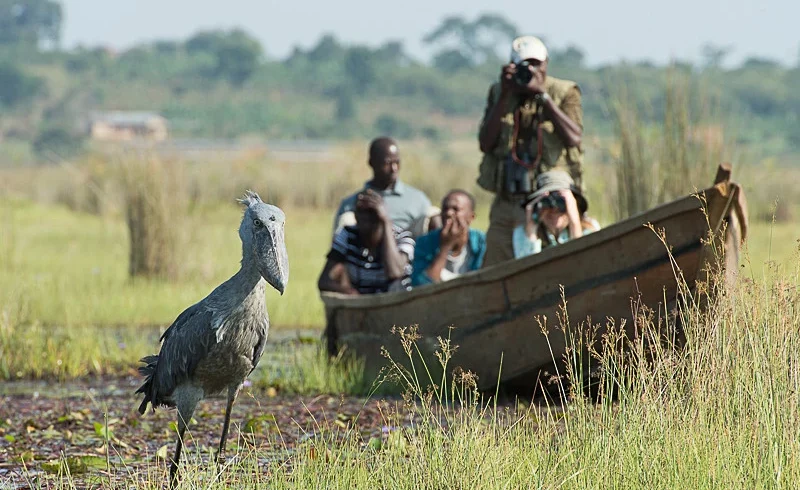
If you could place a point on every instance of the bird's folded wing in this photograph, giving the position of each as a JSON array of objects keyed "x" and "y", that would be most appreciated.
[{"x": 185, "y": 343}]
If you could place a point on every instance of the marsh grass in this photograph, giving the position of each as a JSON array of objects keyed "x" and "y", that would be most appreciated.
[
  {"x": 308, "y": 369},
  {"x": 719, "y": 412},
  {"x": 658, "y": 161},
  {"x": 155, "y": 203},
  {"x": 34, "y": 351}
]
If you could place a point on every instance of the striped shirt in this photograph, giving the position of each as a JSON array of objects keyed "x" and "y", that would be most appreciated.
[{"x": 365, "y": 268}]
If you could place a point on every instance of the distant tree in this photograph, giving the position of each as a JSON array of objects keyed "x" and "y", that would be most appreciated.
[
  {"x": 58, "y": 141},
  {"x": 714, "y": 56},
  {"x": 345, "y": 105},
  {"x": 393, "y": 126},
  {"x": 451, "y": 60},
  {"x": 758, "y": 63},
  {"x": 30, "y": 22},
  {"x": 327, "y": 49},
  {"x": 571, "y": 56},
  {"x": 359, "y": 65},
  {"x": 166, "y": 47},
  {"x": 432, "y": 133},
  {"x": 238, "y": 57},
  {"x": 82, "y": 59},
  {"x": 203, "y": 42},
  {"x": 236, "y": 54},
  {"x": 477, "y": 41},
  {"x": 797, "y": 62},
  {"x": 392, "y": 52},
  {"x": 17, "y": 87}
]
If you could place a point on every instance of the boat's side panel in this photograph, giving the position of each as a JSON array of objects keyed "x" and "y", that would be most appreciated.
[
  {"x": 495, "y": 318},
  {"x": 524, "y": 346}
]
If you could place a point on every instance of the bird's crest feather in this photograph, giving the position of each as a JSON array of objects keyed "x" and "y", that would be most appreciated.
[{"x": 250, "y": 198}]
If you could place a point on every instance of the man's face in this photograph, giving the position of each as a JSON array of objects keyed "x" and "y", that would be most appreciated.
[
  {"x": 457, "y": 206},
  {"x": 386, "y": 165}
]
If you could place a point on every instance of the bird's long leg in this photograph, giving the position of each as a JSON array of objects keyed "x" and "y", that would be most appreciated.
[
  {"x": 185, "y": 413},
  {"x": 233, "y": 391},
  {"x": 173, "y": 467}
]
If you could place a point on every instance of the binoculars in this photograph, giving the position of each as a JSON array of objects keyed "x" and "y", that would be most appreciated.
[{"x": 517, "y": 177}]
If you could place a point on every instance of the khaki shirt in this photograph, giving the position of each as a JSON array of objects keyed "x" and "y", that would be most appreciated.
[
  {"x": 567, "y": 96},
  {"x": 571, "y": 105}
]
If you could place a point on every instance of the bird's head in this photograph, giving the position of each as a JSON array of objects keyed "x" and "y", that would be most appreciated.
[{"x": 263, "y": 243}]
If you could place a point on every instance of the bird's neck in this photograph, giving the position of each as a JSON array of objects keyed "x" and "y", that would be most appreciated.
[
  {"x": 245, "y": 283},
  {"x": 246, "y": 279}
]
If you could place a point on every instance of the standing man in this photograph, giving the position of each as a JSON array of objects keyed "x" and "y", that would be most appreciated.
[
  {"x": 532, "y": 123},
  {"x": 408, "y": 207}
]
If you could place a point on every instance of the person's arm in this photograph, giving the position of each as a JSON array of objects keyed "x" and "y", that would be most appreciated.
[
  {"x": 345, "y": 205},
  {"x": 394, "y": 261},
  {"x": 423, "y": 256},
  {"x": 334, "y": 278},
  {"x": 567, "y": 119},
  {"x": 495, "y": 109},
  {"x": 434, "y": 271},
  {"x": 575, "y": 228},
  {"x": 490, "y": 129}
]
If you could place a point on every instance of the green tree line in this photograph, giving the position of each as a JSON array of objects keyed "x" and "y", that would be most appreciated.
[{"x": 222, "y": 84}]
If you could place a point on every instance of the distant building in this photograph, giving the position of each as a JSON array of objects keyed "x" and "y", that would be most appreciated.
[{"x": 127, "y": 125}]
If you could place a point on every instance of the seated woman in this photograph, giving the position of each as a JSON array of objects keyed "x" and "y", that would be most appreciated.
[
  {"x": 554, "y": 214},
  {"x": 372, "y": 256}
]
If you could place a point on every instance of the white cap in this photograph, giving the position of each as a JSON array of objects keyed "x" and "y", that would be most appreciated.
[{"x": 528, "y": 47}]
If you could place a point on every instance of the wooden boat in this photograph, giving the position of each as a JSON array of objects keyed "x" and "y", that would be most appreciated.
[{"x": 493, "y": 310}]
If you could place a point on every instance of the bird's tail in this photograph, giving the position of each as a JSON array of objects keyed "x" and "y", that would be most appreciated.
[{"x": 148, "y": 371}]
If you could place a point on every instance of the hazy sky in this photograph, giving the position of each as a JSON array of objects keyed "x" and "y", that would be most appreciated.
[{"x": 606, "y": 30}]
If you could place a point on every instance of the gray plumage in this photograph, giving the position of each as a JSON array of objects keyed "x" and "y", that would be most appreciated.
[{"x": 216, "y": 343}]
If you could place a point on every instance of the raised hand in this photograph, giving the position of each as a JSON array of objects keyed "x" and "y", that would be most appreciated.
[{"x": 370, "y": 199}]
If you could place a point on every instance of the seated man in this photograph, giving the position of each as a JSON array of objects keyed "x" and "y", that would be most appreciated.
[
  {"x": 373, "y": 256},
  {"x": 455, "y": 248},
  {"x": 408, "y": 207},
  {"x": 552, "y": 215}
]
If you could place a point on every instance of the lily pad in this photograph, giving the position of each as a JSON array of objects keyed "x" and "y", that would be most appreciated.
[
  {"x": 375, "y": 443},
  {"x": 73, "y": 465},
  {"x": 162, "y": 452},
  {"x": 260, "y": 424}
]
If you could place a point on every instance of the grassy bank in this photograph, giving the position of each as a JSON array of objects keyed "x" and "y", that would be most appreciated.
[{"x": 720, "y": 413}]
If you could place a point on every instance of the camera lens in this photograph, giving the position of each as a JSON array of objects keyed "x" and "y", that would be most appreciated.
[{"x": 523, "y": 74}]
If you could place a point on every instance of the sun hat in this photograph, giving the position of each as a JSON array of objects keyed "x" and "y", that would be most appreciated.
[
  {"x": 556, "y": 180},
  {"x": 528, "y": 47}
]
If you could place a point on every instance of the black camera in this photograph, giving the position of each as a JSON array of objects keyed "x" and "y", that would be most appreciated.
[
  {"x": 524, "y": 74},
  {"x": 553, "y": 201}
]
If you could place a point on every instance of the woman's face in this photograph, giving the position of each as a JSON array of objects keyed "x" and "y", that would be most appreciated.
[{"x": 553, "y": 219}]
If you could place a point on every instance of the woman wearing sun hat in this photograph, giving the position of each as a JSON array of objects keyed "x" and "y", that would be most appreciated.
[{"x": 554, "y": 214}]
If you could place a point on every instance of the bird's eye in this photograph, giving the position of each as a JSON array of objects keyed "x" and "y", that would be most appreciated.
[
  {"x": 272, "y": 218},
  {"x": 257, "y": 222}
]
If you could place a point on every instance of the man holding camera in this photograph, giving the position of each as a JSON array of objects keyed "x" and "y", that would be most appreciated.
[
  {"x": 372, "y": 256},
  {"x": 532, "y": 123}
]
